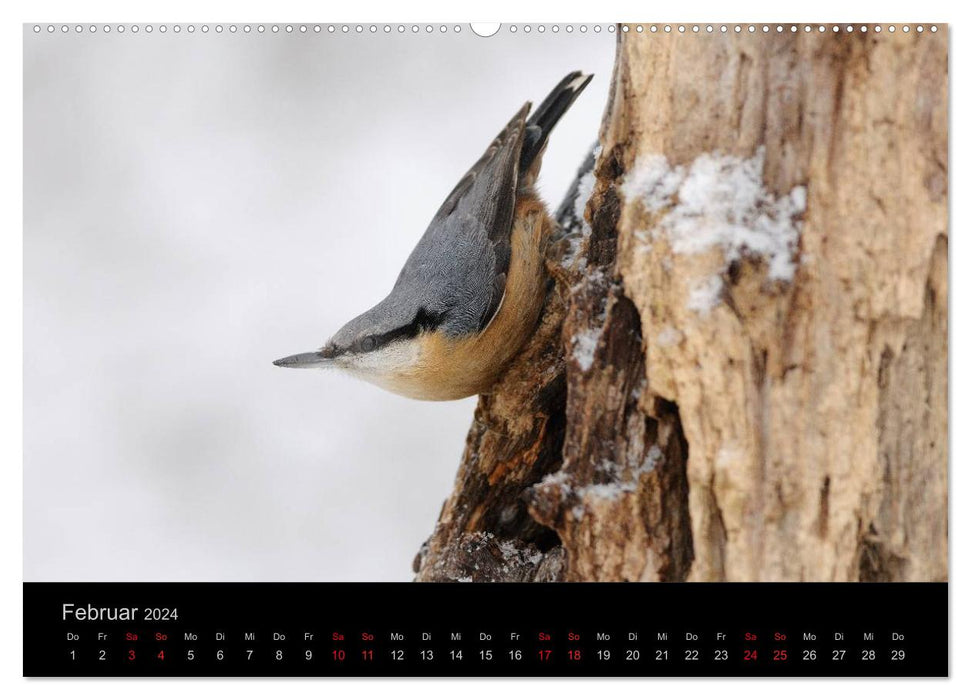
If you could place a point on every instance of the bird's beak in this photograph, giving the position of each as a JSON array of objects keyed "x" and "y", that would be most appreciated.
[{"x": 305, "y": 360}]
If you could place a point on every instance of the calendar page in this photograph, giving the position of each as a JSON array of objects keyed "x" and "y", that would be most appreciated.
[{"x": 374, "y": 349}]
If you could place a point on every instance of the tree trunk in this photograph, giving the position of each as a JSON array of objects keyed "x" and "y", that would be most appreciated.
[{"x": 741, "y": 372}]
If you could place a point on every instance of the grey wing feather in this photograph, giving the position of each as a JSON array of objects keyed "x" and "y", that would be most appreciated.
[
  {"x": 455, "y": 277},
  {"x": 457, "y": 272}
]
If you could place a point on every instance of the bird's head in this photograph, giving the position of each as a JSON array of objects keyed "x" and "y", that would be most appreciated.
[{"x": 382, "y": 346}]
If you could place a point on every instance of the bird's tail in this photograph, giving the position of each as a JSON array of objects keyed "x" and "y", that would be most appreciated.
[{"x": 545, "y": 117}]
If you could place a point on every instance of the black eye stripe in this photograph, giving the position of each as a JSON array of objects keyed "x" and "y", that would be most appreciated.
[{"x": 423, "y": 322}]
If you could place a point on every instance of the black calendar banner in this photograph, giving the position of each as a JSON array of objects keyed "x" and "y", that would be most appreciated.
[{"x": 455, "y": 629}]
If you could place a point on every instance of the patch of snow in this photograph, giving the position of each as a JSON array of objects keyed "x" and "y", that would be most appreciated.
[
  {"x": 608, "y": 467},
  {"x": 584, "y": 347},
  {"x": 585, "y": 187},
  {"x": 529, "y": 554},
  {"x": 557, "y": 478},
  {"x": 614, "y": 489},
  {"x": 654, "y": 457},
  {"x": 464, "y": 579},
  {"x": 728, "y": 455},
  {"x": 653, "y": 181},
  {"x": 645, "y": 240},
  {"x": 572, "y": 253},
  {"x": 609, "y": 492},
  {"x": 592, "y": 278},
  {"x": 720, "y": 200},
  {"x": 584, "y": 190},
  {"x": 705, "y": 295},
  {"x": 668, "y": 336},
  {"x": 508, "y": 549}
]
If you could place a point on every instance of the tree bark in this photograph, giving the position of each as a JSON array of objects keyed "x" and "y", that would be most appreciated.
[{"x": 741, "y": 371}]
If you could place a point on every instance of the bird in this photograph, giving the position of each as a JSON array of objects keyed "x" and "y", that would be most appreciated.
[{"x": 471, "y": 293}]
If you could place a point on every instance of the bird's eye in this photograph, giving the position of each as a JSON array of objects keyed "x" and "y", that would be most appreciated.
[{"x": 367, "y": 345}]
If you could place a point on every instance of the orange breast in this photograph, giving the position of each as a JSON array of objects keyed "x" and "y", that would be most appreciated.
[{"x": 452, "y": 368}]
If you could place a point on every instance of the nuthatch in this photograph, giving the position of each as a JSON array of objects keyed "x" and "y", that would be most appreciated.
[{"x": 471, "y": 291}]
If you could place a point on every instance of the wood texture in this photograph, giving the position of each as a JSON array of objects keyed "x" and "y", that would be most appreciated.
[{"x": 793, "y": 426}]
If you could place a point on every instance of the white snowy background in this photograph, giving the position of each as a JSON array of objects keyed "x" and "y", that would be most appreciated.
[{"x": 197, "y": 206}]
